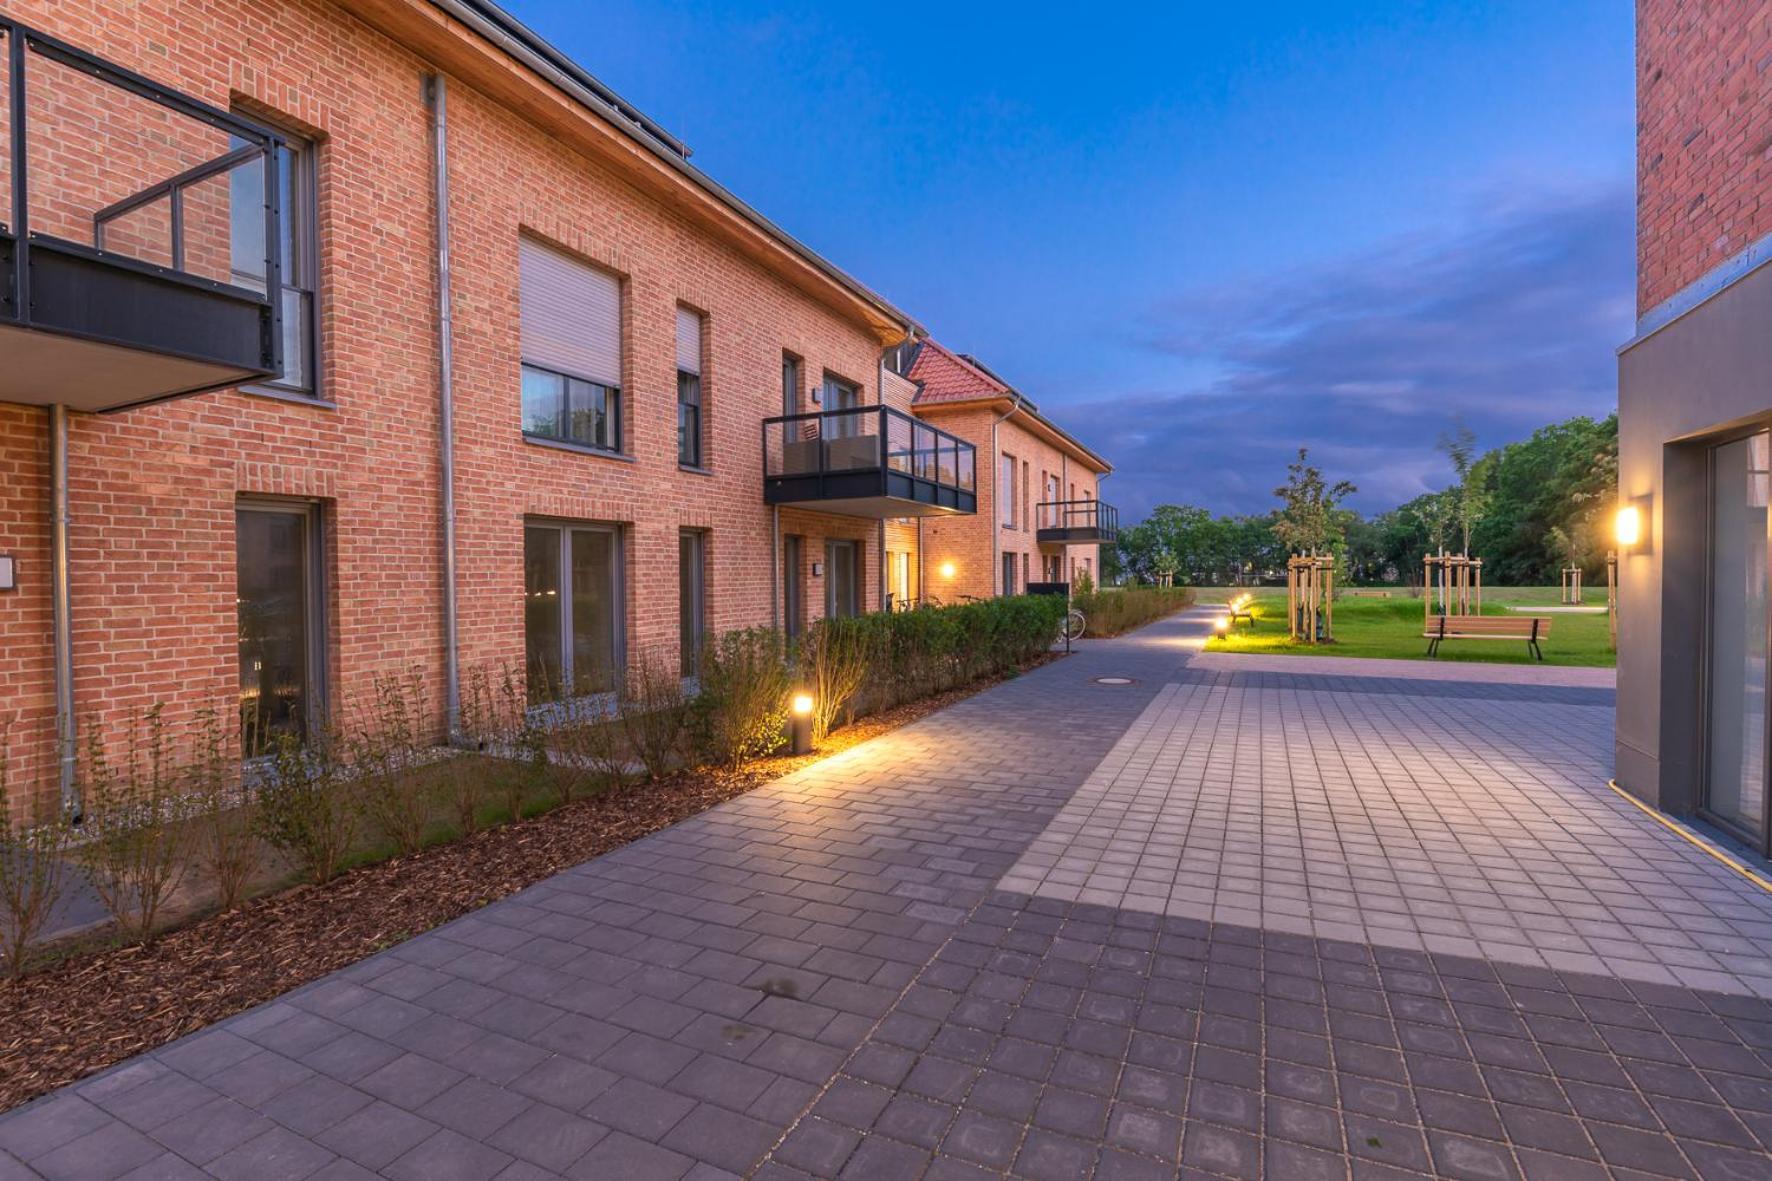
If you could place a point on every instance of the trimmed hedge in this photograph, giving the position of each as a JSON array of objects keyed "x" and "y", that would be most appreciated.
[{"x": 1111, "y": 612}]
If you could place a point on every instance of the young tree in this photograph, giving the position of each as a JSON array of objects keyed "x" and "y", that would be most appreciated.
[
  {"x": 1309, "y": 521},
  {"x": 1471, "y": 497}
]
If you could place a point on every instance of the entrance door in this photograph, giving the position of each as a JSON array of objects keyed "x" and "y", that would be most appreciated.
[
  {"x": 842, "y": 586},
  {"x": 1008, "y": 574},
  {"x": 1735, "y": 769},
  {"x": 900, "y": 565},
  {"x": 277, "y": 591}
]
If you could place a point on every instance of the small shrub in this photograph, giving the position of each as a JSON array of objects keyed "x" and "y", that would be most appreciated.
[
  {"x": 1082, "y": 584},
  {"x": 305, "y": 807},
  {"x": 33, "y": 871},
  {"x": 654, "y": 711},
  {"x": 741, "y": 712},
  {"x": 386, "y": 756},
  {"x": 135, "y": 837},
  {"x": 835, "y": 655},
  {"x": 228, "y": 850},
  {"x": 595, "y": 746}
]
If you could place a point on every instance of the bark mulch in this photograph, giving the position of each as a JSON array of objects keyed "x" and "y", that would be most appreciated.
[{"x": 90, "y": 1011}]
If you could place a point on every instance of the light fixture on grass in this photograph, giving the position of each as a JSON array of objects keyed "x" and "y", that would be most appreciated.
[{"x": 800, "y": 724}]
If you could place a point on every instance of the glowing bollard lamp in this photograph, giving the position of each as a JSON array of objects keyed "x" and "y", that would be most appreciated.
[{"x": 800, "y": 725}]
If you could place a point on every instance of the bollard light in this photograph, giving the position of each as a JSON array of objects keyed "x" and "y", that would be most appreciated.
[
  {"x": 800, "y": 724},
  {"x": 1222, "y": 623}
]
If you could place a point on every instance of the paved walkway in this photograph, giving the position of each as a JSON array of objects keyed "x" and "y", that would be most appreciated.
[{"x": 979, "y": 946}]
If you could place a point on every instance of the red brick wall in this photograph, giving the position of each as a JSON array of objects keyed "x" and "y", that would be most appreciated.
[
  {"x": 153, "y": 490},
  {"x": 1704, "y": 138},
  {"x": 967, "y": 542}
]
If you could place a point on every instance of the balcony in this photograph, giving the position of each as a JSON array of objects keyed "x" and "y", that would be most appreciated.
[
  {"x": 139, "y": 235},
  {"x": 1076, "y": 522},
  {"x": 869, "y": 461}
]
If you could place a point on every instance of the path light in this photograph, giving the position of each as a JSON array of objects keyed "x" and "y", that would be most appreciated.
[
  {"x": 1222, "y": 624},
  {"x": 800, "y": 727}
]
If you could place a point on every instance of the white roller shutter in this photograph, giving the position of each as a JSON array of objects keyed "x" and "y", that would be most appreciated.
[
  {"x": 688, "y": 341},
  {"x": 571, "y": 314}
]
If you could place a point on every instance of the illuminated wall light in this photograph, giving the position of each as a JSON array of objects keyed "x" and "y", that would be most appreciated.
[
  {"x": 1627, "y": 526},
  {"x": 948, "y": 569}
]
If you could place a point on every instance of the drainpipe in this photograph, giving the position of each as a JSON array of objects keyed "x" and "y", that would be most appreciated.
[
  {"x": 775, "y": 615},
  {"x": 438, "y": 94},
  {"x": 60, "y": 607}
]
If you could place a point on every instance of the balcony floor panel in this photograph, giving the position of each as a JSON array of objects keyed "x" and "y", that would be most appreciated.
[
  {"x": 873, "y": 507},
  {"x": 43, "y": 368}
]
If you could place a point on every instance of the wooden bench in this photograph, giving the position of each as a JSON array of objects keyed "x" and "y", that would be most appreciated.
[
  {"x": 1370, "y": 594},
  {"x": 1240, "y": 609},
  {"x": 1530, "y": 628}
]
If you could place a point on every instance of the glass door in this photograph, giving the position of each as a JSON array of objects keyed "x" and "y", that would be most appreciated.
[
  {"x": 277, "y": 601},
  {"x": 1735, "y": 766},
  {"x": 841, "y": 585}
]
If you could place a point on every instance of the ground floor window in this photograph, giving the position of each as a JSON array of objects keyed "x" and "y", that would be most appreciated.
[
  {"x": 1008, "y": 574},
  {"x": 1736, "y": 667},
  {"x": 842, "y": 581},
  {"x": 898, "y": 566},
  {"x": 692, "y": 598},
  {"x": 277, "y": 569},
  {"x": 572, "y": 609}
]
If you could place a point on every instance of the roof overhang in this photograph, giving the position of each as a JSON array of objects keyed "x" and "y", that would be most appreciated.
[
  {"x": 490, "y": 51},
  {"x": 1025, "y": 417}
]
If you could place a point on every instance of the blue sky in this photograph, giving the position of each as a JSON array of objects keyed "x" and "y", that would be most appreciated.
[{"x": 1201, "y": 235}]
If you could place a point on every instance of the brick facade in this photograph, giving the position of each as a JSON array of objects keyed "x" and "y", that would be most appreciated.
[
  {"x": 1704, "y": 138},
  {"x": 154, "y": 490}
]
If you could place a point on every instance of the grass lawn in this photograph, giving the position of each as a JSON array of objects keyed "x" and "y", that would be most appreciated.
[{"x": 1391, "y": 628}]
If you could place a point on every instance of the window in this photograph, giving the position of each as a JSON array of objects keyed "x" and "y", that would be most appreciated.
[
  {"x": 692, "y": 601},
  {"x": 572, "y": 610},
  {"x": 556, "y": 406},
  {"x": 842, "y": 395},
  {"x": 1025, "y": 475},
  {"x": 298, "y": 197},
  {"x": 790, "y": 384},
  {"x": 899, "y": 566},
  {"x": 1008, "y": 574},
  {"x": 842, "y": 581},
  {"x": 571, "y": 328},
  {"x": 689, "y": 411},
  {"x": 793, "y": 605},
  {"x": 1006, "y": 491},
  {"x": 277, "y": 595}
]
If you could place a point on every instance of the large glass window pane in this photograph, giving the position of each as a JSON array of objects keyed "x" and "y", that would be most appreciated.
[
  {"x": 593, "y": 611},
  {"x": 273, "y": 556},
  {"x": 691, "y": 600},
  {"x": 541, "y": 612},
  {"x": 688, "y": 419},
  {"x": 1736, "y": 787},
  {"x": 841, "y": 582},
  {"x": 792, "y": 603},
  {"x": 298, "y": 195},
  {"x": 589, "y": 417},
  {"x": 543, "y": 395}
]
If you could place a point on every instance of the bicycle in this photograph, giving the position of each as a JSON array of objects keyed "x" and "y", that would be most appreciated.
[{"x": 1075, "y": 624}]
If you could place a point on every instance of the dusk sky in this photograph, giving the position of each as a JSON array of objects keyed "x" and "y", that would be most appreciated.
[{"x": 1198, "y": 235}]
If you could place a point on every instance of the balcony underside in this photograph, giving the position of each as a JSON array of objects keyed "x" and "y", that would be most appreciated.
[
  {"x": 873, "y": 494},
  {"x": 104, "y": 332},
  {"x": 1082, "y": 535}
]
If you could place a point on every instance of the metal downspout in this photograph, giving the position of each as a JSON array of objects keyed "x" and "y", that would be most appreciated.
[
  {"x": 775, "y": 615},
  {"x": 60, "y": 606},
  {"x": 997, "y": 509},
  {"x": 439, "y": 98}
]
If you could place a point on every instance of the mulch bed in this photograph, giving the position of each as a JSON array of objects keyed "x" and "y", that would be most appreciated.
[{"x": 90, "y": 1011}]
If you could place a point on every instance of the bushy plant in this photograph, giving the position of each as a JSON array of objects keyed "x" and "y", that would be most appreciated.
[
  {"x": 595, "y": 745},
  {"x": 1082, "y": 584},
  {"x": 1111, "y": 612},
  {"x": 386, "y": 753},
  {"x": 228, "y": 851},
  {"x": 835, "y": 656},
  {"x": 135, "y": 836},
  {"x": 741, "y": 712},
  {"x": 33, "y": 871},
  {"x": 653, "y": 712},
  {"x": 305, "y": 807}
]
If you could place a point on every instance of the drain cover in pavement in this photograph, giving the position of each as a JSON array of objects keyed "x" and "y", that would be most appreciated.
[{"x": 1113, "y": 680}]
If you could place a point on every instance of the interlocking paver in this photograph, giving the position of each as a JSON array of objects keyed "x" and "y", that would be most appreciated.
[{"x": 1268, "y": 923}]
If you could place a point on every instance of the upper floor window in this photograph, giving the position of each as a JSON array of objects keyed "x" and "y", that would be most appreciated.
[
  {"x": 571, "y": 343},
  {"x": 1006, "y": 491},
  {"x": 689, "y": 404},
  {"x": 298, "y": 187}
]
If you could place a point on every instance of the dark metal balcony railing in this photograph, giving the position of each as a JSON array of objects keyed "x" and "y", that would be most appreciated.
[
  {"x": 1076, "y": 521},
  {"x": 140, "y": 234},
  {"x": 870, "y": 461}
]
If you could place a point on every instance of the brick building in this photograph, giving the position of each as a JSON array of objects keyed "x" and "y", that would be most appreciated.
[
  {"x": 618, "y": 326},
  {"x": 1040, "y": 518},
  {"x": 1695, "y": 421}
]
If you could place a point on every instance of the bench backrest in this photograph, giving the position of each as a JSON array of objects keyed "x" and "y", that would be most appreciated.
[{"x": 1492, "y": 625}]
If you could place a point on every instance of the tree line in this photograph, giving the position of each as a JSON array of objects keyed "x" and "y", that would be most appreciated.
[{"x": 1528, "y": 509}]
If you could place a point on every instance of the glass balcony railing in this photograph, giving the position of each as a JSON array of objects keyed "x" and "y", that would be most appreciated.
[
  {"x": 1076, "y": 522},
  {"x": 867, "y": 461}
]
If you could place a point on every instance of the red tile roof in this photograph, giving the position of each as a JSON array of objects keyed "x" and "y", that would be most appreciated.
[{"x": 947, "y": 376}]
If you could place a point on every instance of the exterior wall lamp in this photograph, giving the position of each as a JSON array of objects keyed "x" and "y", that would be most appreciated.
[
  {"x": 947, "y": 570},
  {"x": 800, "y": 724},
  {"x": 1630, "y": 525}
]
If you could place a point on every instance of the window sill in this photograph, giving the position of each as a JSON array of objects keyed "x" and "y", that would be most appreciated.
[
  {"x": 291, "y": 396},
  {"x": 695, "y": 470},
  {"x": 576, "y": 448}
]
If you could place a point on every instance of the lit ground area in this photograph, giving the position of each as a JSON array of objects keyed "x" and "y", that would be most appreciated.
[
  {"x": 1222, "y": 922},
  {"x": 1391, "y": 628}
]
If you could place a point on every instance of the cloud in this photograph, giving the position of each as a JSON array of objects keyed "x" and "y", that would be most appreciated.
[{"x": 1506, "y": 323}]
